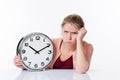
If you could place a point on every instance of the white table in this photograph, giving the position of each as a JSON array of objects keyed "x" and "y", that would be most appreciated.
[{"x": 67, "y": 74}]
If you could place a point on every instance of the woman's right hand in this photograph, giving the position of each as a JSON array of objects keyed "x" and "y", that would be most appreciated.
[{"x": 18, "y": 62}]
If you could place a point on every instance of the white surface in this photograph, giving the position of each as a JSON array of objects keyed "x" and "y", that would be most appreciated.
[{"x": 59, "y": 75}]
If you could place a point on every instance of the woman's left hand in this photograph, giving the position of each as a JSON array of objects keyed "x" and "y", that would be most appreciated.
[{"x": 81, "y": 33}]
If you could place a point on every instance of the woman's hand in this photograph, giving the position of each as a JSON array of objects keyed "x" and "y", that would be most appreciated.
[
  {"x": 18, "y": 62},
  {"x": 81, "y": 33}
]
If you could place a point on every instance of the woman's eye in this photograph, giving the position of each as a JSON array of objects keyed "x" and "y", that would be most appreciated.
[
  {"x": 74, "y": 32},
  {"x": 65, "y": 31}
]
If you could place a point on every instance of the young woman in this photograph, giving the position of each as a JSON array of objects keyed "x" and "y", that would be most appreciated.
[{"x": 71, "y": 52}]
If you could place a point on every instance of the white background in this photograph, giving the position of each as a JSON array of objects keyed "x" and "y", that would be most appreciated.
[{"x": 101, "y": 17}]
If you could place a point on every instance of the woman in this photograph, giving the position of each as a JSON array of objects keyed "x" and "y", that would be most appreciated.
[{"x": 71, "y": 52}]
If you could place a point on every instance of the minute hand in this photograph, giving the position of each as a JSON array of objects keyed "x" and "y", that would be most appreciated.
[{"x": 43, "y": 48}]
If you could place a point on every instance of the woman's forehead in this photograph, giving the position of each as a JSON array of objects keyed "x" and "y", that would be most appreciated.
[{"x": 70, "y": 27}]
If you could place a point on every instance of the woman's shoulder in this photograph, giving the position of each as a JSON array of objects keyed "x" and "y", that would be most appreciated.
[
  {"x": 87, "y": 44},
  {"x": 56, "y": 40},
  {"x": 56, "y": 43}
]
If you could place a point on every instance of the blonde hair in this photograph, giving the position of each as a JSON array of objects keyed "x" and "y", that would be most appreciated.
[{"x": 73, "y": 19}]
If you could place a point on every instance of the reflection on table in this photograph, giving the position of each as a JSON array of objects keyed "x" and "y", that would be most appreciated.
[{"x": 52, "y": 75}]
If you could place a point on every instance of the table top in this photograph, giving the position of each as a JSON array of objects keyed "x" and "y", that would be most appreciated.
[{"x": 59, "y": 74}]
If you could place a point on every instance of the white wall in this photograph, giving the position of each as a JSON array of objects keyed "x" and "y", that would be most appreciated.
[{"x": 20, "y": 17}]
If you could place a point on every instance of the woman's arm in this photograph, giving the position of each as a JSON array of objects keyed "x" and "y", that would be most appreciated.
[{"x": 84, "y": 53}]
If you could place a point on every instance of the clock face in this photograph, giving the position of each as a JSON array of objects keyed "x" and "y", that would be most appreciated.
[{"x": 36, "y": 51}]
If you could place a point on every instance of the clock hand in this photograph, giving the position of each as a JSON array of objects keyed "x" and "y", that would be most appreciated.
[
  {"x": 34, "y": 50},
  {"x": 44, "y": 48}
]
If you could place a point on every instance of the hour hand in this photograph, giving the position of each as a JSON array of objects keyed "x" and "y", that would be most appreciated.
[{"x": 33, "y": 49}]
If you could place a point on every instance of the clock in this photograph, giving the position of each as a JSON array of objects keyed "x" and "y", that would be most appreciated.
[{"x": 36, "y": 51}]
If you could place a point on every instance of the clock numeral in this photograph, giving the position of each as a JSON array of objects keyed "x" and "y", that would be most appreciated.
[
  {"x": 49, "y": 51},
  {"x": 29, "y": 63},
  {"x": 23, "y": 51},
  {"x": 47, "y": 59},
  {"x": 48, "y": 44},
  {"x": 31, "y": 39},
  {"x": 25, "y": 59},
  {"x": 26, "y": 44},
  {"x": 37, "y": 37},
  {"x": 36, "y": 65},
  {"x": 44, "y": 40},
  {"x": 42, "y": 63}
]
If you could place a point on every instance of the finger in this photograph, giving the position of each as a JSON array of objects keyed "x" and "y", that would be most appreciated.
[
  {"x": 17, "y": 56},
  {"x": 22, "y": 67},
  {"x": 19, "y": 63}
]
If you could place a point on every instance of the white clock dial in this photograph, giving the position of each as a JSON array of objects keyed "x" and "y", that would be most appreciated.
[{"x": 36, "y": 51}]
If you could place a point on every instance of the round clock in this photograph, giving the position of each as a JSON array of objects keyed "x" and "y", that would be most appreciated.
[{"x": 36, "y": 51}]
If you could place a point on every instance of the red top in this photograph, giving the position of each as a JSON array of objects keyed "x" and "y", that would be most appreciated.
[{"x": 68, "y": 64}]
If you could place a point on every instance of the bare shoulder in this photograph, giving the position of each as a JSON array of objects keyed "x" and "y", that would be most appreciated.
[
  {"x": 86, "y": 44},
  {"x": 88, "y": 47},
  {"x": 56, "y": 43},
  {"x": 55, "y": 39}
]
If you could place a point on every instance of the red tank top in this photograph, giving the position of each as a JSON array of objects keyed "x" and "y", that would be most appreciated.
[{"x": 68, "y": 64}]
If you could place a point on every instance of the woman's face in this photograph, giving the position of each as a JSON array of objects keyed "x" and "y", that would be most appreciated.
[{"x": 69, "y": 33}]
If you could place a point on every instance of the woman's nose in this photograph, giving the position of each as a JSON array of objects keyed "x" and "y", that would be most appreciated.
[{"x": 69, "y": 36}]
